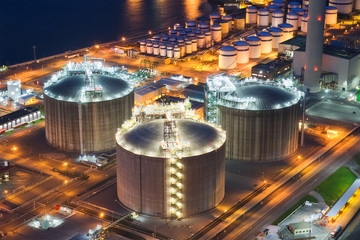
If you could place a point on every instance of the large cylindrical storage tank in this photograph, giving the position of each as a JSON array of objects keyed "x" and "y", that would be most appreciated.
[
  {"x": 170, "y": 51},
  {"x": 203, "y": 26},
  {"x": 304, "y": 23},
  {"x": 229, "y": 19},
  {"x": 224, "y": 28},
  {"x": 292, "y": 18},
  {"x": 143, "y": 46},
  {"x": 239, "y": 23},
  {"x": 263, "y": 17},
  {"x": 266, "y": 41},
  {"x": 271, "y": 9},
  {"x": 277, "y": 34},
  {"x": 343, "y": 6},
  {"x": 191, "y": 24},
  {"x": 149, "y": 47},
  {"x": 280, "y": 3},
  {"x": 201, "y": 40},
  {"x": 331, "y": 15},
  {"x": 156, "y": 49},
  {"x": 300, "y": 12},
  {"x": 147, "y": 182},
  {"x": 242, "y": 51},
  {"x": 251, "y": 15},
  {"x": 227, "y": 57},
  {"x": 177, "y": 52},
  {"x": 214, "y": 17},
  {"x": 82, "y": 116},
  {"x": 277, "y": 18},
  {"x": 254, "y": 46},
  {"x": 188, "y": 49},
  {"x": 193, "y": 44},
  {"x": 216, "y": 33},
  {"x": 261, "y": 121},
  {"x": 288, "y": 31},
  {"x": 163, "y": 50}
]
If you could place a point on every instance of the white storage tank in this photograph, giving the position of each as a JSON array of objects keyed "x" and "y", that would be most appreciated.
[
  {"x": 14, "y": 89},
  {"x": 170, "y": 51},
  {"x": 266, "y": 41},
  {"x": 208, "y": 36},
  {"x": 215, "y": 33},
  {"x": 331, "y": 15},
  {"x": 292, "y": 18},
  {"x": 213, "y": 17},
  {"x": 272, "y": 8},
  {"x": 251, "y": 13},
  {"x": 263, "y": 17},
  {"x": 300, "y": 12},
  {"x": 277, "y": 34},
  {"x": 224, "y": 28},
  {"x": 176, "y": 26},
  {"x": 304, "y": 23},
  {"x": 288, "y": 31},
  {"x": 188, "y": 49},
  {"x": 177, "y": 52},
  {"x": 200, "y": 40},
  {"x": 143, "y": 46},
  {"x": 227, "y": 57},
  {"x": 181, "y": 44},
  {"x": 239, "y": 23},
  {"x": 254, "y": 46},
  {"x": 193, "y": 44},
  {"x": 242, "y": 50},
  {"x": 156, "y": 49},
  {"x": 163, "y": 50},
  {"x": 343, "y": 6},
  {"x": 229, "y": 19},
  {"x": 277, "y": 18},
  {"x": 191, "y": 24},
  {"x": 149, "y": 47},
  {"x": 292, "y": 5},
  {"x": 203, "y": 26},
  {"x": 280, "y": 3}
]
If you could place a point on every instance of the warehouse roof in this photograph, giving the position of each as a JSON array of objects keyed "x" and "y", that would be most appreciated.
[
  {"x": 299, "y": 41},
  {"x": 17, "y": 114},
  {"x": 149, "y": 88},
  {"x": 70, "y": 88},
  {"x": 146, "y": 138},
  {"x": 344, "y": 199}
]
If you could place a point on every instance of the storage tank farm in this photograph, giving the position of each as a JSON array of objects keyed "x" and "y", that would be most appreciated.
[
  {"x": 84, "y": 104},
  {"x": 170, "y": 164},
  {"x": 261, "y": 118}
]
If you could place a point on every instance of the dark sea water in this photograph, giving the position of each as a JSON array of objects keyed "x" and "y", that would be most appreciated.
[{"x": 56, "y": 26}]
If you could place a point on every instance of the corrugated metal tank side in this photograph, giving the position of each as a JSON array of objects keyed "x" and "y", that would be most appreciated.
[{"x": 260, "y": 135}]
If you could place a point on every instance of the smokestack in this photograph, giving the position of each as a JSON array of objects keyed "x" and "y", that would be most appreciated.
[{"x": 314, "y": 45}]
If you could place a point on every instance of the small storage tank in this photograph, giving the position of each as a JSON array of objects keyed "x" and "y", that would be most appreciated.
[
  {"x": 188, "y": 49},
  {"x": 277, "y": 34},
  {"x": 203, "y": 26},
  {"x": 266, "y": 41},
  {"x": 304, "y": 23},
  {"x": 331, "y": 15},
  {"x": 216, "y": 33},
  {"x": 176, "y": 26},
  {"x": 292, "y": 18},
  {"x": 149, "y": 47},
  {"x": 182, "y": 33},
  {"x": 224, "y": 28},
  {"x": 176, "y": 52},
  {"x": 200, "y": 40},
  {"x": 172, "y": 32},
  {"x": 157, "y": 38},
  {"x": 254, "y": 47},
  {"x": 170, "y": 51},
  {"x": 229, "y": 19},
  {"x": 292, "y": 5},
  {"x": 242, "y": 50},
  {"x": 13, "y": 89},
  {"x": 263, "y": 17},
  {"x": 191, "y": 24},
  {"x": 251, "y": 14},
  {"x": 156, "y": 49},
  {"x": 163, "y": 50},
  {"x": 182, "y": 49},
  {"x": 343, "y": 6},
  {"x": 227, "y": 57},
  {"x": 143, "y": 46},
  {"x": 271, "y": 9},
  {"x": 193, "y": 44},
  {"x": 280, "y": 3},
  {"x": 239, "y": 23},
  {"x": 288, "y": 31},
  {"x": 191, "y": 35},
  {"x": 300, "y": 12},
  {"x": 173, "y": 40},
  {"x": 277, "y": 18},
  {"x": 208, "y": 36},
  {"x": 214, "y": 17}
]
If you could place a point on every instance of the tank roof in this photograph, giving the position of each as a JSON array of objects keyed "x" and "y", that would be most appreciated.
[
  {"x": 240, "y": 43},
  {"x": 275, "y": 29},
  {"x": 252, "y": 38},
  {"x": 286, "y": 25},
  {"x": 264, "y": 34},
  {"x": 331, "y": 7},
  {"x": 227, "y": 48},
  {"x": 146, "y": 138}
]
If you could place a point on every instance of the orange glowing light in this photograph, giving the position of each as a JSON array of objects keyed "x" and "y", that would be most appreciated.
[{"x": 315, "y": 69}]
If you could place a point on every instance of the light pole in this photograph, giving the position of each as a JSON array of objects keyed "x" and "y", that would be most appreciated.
[{"x": 34, "y": 49}]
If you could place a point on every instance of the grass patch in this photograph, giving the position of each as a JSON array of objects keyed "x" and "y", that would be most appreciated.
[
  {"x": 9, "y": 132},
  {"x": 334, "y": 186},
  {"x": 294, "y": 207},
  {"x": 357, "y": 158},
  {"x": 37, "y": 121}
]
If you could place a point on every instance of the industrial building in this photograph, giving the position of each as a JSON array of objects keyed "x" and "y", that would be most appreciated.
[
  {"x": 19, "y": 118},
  {"x": 85, "y": 103},
  {"x": 169, "y": 164},
  {"x": 261, "y": 117},
  {"x": 271, "y": 70},
  {"x": 149, "y": 92}
]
